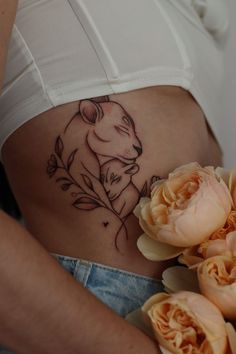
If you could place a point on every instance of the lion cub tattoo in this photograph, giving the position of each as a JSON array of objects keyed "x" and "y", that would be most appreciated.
[{"x": 116, "y": 177}]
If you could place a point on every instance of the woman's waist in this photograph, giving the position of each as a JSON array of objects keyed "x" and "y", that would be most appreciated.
[{"x": 87, "y": 238}]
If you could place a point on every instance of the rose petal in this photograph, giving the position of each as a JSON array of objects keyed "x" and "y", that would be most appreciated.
[
  {"x": 154, "y": 300},
  {"x": 222, "y": 247},
  {"x": 140, "y": 205},
  {"x": 229, "y": 177},
  {"x": 165, "y": 351},
  {"x": 226, "y": 245},
  {"x": 223, "y": 173},
  {"x": 231, "y": 337},
  {"x": 232, "y": 184},
  {"x": 149, "y": 303},
  {"x": 229, "y": 226},
  {"x": 180, "y": 278},
  {"x": 231, "y": 243},
  {"x": 157, "y": 251},
  {"x": 218, "y": 284},
  {"x": 190, "y": 257}
]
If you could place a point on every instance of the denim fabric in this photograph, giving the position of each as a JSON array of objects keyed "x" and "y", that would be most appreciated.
[{"x": 122, "y": 291}]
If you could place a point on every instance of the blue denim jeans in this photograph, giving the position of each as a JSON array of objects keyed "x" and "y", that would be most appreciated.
[{"x": 122, "y": 291}]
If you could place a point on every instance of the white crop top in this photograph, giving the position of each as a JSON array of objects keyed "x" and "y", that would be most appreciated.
[{"x": 66, "y": 50}]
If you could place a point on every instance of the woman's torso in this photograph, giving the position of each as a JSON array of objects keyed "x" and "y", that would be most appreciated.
[
  {"x": 171, "y": 130},
  {"x": 77, "y": 180}
]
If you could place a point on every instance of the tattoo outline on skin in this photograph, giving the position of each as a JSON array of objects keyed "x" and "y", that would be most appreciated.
[{"x": 102, "y": 161}]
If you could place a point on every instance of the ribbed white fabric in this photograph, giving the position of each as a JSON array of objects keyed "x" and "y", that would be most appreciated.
[{"x": 66, "y": 50}]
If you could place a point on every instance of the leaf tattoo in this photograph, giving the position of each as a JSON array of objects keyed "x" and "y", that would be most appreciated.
[
  {"x": 52, "y": 165},
  {"x": 66, "y": 186},
  {"x": 85, "y": 203},
  {"x": 59, "y": 147},
  {"x": 71, "y": 159},
  {"x": 144, "y": 190},
  {"x": 63, "y": 179},
  {"x": 87, "y": 181}
]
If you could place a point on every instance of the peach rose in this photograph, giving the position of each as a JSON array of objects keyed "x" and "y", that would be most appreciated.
[
  {"x": 185, "y": 209},
  {"x": 217, "y": 281},
  {"x": 232, "y": 185},
  {"x": 229, "y": 226},
  {"x": 219, "y": 247},
  {"x": 223, "y": 241},
  {"x": 191, "y": 257},
  {"x": 229, "y": 176},
  {"x": 186, "y": 322},
  {"x": 231, "y": 337}
]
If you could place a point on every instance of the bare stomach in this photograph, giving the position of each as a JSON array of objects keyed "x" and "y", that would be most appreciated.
[{"x": 78, "y": 170}]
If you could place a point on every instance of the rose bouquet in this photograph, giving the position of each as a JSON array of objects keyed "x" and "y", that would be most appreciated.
[{"x": 192, "y": 215}]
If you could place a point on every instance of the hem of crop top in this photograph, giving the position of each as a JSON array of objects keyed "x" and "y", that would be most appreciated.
[{"x": 50, "y": 98}]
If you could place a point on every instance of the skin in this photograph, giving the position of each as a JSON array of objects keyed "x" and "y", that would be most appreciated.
[
  {"x": 68, "y": 318},
  {"x": 43, "y": 310},
  {"x": 167, "y": 121},
  {"x": 53, "y": 313},
  {"x": 7, "y": 16}
]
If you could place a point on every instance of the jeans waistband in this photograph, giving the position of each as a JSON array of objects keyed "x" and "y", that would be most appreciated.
[
  {"x": 121, "y": 290},
  {"x": 75, "y": 262}
]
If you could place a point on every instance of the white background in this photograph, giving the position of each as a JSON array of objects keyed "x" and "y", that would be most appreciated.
[{"x": 228, "y": 121}]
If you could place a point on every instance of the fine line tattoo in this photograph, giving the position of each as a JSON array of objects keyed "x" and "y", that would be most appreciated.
[{"x": 98, "y": 169}]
